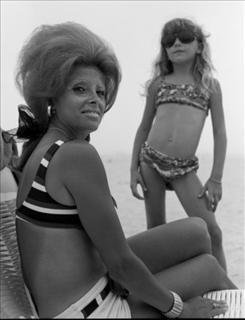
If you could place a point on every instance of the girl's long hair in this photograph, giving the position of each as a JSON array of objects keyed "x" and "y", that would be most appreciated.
[
  {"x": 202, "y": 68},
  {"x": 46, "y": 62}
]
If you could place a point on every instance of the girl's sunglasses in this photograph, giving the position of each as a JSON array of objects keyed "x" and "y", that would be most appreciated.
[{"x": 184, "y": 36}]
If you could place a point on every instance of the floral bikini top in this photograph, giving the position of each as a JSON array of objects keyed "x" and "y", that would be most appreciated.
[{"x": 189, "y": 94}]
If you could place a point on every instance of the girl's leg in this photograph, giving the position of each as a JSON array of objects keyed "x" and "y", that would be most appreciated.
[
  {"x": 187, "y": 189},
  {"x": 154, "y": 196},
  {"x": 189, "y": 279}
]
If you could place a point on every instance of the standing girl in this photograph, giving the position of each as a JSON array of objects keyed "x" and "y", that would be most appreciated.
[{"x": 179, "y": 97}]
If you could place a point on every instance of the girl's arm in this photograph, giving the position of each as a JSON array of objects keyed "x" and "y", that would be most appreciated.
[
  {"x": 86, "y": 181},
  {"x": 140, "y": 138},
  {"x": 213, "y": 185},
  {"x": 219, "y": 134}
]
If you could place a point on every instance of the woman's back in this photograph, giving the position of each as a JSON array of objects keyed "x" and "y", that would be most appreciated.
[{"x": 55, "y": 258}]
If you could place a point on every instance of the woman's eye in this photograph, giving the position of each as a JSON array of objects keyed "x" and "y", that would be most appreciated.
[
  {"x": 79, "y": 89},
  {"x": 101, "y": 93}
]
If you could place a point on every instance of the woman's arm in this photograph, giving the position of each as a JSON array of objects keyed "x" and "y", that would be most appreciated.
[
  {"x": 140, "y": 138},
  {"x": 84, "y": 177}
]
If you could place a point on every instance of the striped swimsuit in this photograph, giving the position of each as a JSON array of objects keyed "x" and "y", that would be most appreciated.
[{"x": 40, "y": 208}]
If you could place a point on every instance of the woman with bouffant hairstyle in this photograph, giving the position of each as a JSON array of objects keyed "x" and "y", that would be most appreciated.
[{"x": 44, "y": 66}]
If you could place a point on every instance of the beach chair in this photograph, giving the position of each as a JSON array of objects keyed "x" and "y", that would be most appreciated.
[
  {"x": 235, "y": 300},
  {"x": 14, "y": 297}
]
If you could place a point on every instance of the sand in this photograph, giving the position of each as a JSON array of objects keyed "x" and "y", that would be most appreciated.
[{"x": 230, "y": 212}]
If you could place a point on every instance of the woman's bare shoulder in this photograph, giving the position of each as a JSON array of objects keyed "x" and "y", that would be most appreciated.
[
  {"x": 78, "y": 147},
  {"x": 79, "y": 154}
]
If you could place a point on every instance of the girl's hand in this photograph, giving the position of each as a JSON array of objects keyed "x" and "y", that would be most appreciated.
[
  {"x": 199, "y": 307},
  {"x": 213, "y": 192},
  {"x": 136, "y": 179}
]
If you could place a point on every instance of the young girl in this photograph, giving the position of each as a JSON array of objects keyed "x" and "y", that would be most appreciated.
[{"x": 179, "y": 97}]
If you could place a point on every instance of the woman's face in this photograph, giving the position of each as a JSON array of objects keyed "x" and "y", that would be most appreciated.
[{"x": 81, "y": 107}]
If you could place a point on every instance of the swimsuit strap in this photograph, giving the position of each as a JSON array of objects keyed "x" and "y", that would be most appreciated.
[{"x": 39, "y": 207}]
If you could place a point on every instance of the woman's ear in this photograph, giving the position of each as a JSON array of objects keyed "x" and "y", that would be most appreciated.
[{"x": 50, "y": 102}]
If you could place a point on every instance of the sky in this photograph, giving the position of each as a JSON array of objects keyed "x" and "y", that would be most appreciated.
[{"x": 133, "y": 29}]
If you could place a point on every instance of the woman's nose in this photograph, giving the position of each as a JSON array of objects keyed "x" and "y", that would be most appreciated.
[
  {"x": 93, "y": 97},
  {"x": 95, "y": 101},
  {"x": 92, "y": 100}
]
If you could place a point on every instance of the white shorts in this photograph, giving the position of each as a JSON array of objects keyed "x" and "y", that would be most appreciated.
[{"x": 98, "y": 302}]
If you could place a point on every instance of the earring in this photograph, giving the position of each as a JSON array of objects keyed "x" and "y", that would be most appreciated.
[{"x": 51, "y": 111}]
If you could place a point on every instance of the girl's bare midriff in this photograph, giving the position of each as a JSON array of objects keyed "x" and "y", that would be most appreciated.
[
  {"x": 176, "y": 130},
  {"x": 61, "y": 266}
]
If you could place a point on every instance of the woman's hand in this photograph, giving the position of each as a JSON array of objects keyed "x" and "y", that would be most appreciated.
[
  {"x": 136, "y": 179},
  {"x": 199, "y": 307},
  {"x": 213, "y": 191},
  {"x": 118, "y": 289}
]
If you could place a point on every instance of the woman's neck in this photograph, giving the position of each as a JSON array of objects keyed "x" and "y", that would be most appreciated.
[{"x": 65, "y": 132}]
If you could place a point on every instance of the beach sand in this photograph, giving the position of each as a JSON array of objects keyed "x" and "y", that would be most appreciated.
[{"x": 230, "y": 212}]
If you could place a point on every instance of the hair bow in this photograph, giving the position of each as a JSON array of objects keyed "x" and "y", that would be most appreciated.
[{"x": 29, "y": 127}]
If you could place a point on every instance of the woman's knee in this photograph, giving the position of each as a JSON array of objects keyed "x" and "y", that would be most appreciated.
[
  {"x": 216, "y": 273},
  {"x": 201, "y": 233}
]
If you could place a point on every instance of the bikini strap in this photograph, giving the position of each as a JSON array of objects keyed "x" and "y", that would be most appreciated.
[{"x": 43, "y": 166}]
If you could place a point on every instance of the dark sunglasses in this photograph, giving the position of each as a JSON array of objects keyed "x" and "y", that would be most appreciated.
[
  {"x": 7, "y": 137},
  {"x": 184, "y": 36}
]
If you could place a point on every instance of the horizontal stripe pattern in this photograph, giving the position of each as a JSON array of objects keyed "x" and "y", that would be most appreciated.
[
  {"x": 47, "y": 220},
  {"x": 41, "y": 173},
  {"x": 39, "y": 207},
  {"x": 39, "y": 186},
  {"x": 41, "y": 198},
  {"x": 49, "y": 210}
]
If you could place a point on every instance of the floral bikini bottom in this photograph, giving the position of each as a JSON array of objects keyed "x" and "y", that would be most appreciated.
[{"x": 167, "y": 167}]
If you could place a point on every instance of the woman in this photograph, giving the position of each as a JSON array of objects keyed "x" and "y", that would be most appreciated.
[{"x": 75, "y": 258}]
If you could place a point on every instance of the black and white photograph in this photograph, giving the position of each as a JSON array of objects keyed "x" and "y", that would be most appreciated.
[{"x": 122, "y": 159}]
